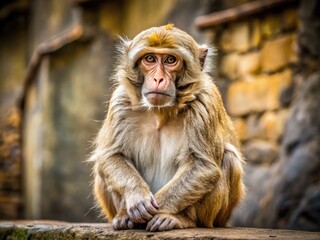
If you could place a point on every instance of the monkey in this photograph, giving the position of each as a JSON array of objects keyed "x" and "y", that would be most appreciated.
[{"x": 167, "y": 156}]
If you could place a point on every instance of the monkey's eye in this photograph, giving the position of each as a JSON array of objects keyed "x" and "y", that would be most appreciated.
[
  {"x": 150, "y": 58},
  {"x": 170, "y": 59}
]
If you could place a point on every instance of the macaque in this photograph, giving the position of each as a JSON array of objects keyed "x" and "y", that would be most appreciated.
[{"x": 167, "y": 155}]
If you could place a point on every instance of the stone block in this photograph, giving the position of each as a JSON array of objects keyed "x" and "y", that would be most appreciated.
[
  {"x": 278, "y": 53},
  {"x": 253, "y": 127},
  {"x": 260, "y": 152},
  {"x": 272, "y": 124},
  {"x": 236, "y": 38},
  {"x": 226, "y": 40},
  {"x": 270, "y": 26},
  {"x": 290, "y": 19},
  {"x": 241, "y": 36},
  {"x": 269, "y": 126},
  {"x": 260, "y": 94},
  {"x": 238, "y": 98},
  {"x": 248, "y": 63},
  {"x": 275, "y": 85},
  {"x": 229, "y": 65},
  {"x": 255, "y": 38},
  {"x": 234, "y": 65}
]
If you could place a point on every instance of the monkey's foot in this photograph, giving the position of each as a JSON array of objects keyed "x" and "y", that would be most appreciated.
[
  {"x": 122, "y": 223},
  {"x": 165, "y": 222}
]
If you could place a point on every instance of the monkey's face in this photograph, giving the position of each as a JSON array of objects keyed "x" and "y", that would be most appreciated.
[
  {"x": 161, "y": 67},
  {"x": 160, "y": 71}
]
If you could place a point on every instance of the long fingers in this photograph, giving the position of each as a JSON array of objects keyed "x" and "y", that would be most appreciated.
[
  {"x": 142, "y": 211},
  {"x": 122, "y": 223}
]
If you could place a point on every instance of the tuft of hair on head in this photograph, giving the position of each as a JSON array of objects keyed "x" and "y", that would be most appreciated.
[
  {"x": 169, "y": 26},
  {"x": 161, "y": 39}
]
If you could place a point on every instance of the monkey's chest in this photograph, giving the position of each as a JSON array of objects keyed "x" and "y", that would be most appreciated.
[{"x": 155, "y": 151}]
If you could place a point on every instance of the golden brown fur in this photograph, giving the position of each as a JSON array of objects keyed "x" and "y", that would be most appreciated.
[{"x": 177, "y": 165}]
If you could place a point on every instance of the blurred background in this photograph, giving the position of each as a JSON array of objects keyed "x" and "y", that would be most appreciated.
[{"x": 55, "y": 61}]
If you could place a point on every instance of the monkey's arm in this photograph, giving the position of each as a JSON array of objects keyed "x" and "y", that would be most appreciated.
[
  {"x": 117, "y": 173},
  {"x": 199, "y": 169},
  {"x": 192, "y": 181},
  {"x": 120, "y": 176}
]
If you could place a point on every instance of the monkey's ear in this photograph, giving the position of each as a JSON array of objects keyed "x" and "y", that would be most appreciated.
[
  {"x": 203, "y": 54},
  {"x": 206, "y": 58}
]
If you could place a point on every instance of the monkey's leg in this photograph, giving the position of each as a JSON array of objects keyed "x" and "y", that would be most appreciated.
[
  {"x": 215, "y": 208},
  {"x": 165, "y": 222},
  {"x": 233, "y": 181},
  {"x": 206, "y": 210},
  {"x": 104, "y": 198},
  {"x": 214, "y": 205}
]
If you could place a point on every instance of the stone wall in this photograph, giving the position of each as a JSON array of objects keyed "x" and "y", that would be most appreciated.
[
  {"x": 257, "y": 58},
  {"x": 267, "y": 92},
  {"x": 12, "y": 67}
]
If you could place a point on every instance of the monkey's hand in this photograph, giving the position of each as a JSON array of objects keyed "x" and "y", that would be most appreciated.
[
  {"x": 141, "y": 208},
  {"x": 165, "y": 222},
  {"x": 122, "y": 222}
]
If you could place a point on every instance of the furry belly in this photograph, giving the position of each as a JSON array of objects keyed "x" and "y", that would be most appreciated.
[
  {"x": 157, "y": 177},
  {"x": 154, "y": 151},
  {"x": 155, "y": 159}
]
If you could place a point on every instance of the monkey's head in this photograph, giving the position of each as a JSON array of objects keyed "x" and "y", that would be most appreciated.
[{"x": 161, "y": 67}]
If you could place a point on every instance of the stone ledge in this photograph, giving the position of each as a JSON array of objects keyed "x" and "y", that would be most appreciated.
[{"x": 36, "y": 230}]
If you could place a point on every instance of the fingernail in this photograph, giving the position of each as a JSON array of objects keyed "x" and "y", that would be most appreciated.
[{"x": 154, "y": 203}]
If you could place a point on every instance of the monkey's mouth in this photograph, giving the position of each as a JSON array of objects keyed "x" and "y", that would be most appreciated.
[
  {"x": 158, "y": 98},
  {"x": 158, "y": 93}
]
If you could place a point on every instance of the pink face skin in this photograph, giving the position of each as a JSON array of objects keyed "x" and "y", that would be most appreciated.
[{"x": 160, "y": 71}]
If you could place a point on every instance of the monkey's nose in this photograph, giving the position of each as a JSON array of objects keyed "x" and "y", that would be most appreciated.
[{"x": 158, "y": 80}]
